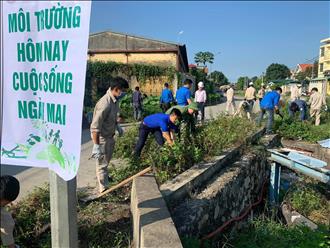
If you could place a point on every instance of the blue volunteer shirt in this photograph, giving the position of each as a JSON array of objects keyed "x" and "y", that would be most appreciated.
[
  {"x": 182, "y": 96},
  {"x": 166, "y": 96},
  {"x": 270, "y": 100},
  {"x": 161, "y": 121}
]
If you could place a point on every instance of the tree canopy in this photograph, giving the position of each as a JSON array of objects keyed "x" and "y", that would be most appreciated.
[
  {"x": 218, "y": 78},
  {"x": 277, "y": 72},
  {"x": 204, "y": 57},
  {"x": 241, "y": 82}
]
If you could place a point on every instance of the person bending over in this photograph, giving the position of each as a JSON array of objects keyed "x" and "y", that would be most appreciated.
[{"x": 161, "y": 126}]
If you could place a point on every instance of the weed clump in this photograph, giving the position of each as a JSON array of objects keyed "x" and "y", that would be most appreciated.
[{"x": 206, "y": 141}]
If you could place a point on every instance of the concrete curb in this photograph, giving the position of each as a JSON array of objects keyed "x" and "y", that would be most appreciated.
[
  {"x": 177, "y": 189},
  {"x": 152, "y": 222}
]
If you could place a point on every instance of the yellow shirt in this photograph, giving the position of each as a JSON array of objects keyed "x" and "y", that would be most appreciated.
[
  {"x": 7, "y": 227},
  {"x": 250, "y": 93}
]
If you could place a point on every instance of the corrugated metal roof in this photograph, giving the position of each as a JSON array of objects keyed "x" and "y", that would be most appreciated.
[{"x": 137, "y": 36}]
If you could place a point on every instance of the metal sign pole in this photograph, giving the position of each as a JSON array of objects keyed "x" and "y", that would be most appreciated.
[{"x": 63, "y": 207}]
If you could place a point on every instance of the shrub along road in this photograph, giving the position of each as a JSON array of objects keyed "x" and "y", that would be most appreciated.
[{"x": 32, "y": 177}]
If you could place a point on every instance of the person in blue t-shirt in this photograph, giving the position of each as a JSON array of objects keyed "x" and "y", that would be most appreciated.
[
  {"x": 183, "y": 95},
  {"x": 298, "y": 105},
  {"x": 269, "y": 104},
  {"x": 161, "y": 126},
  {"x": 166, "y": 98}
]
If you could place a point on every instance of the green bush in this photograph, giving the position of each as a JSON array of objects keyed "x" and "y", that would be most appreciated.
[
  {"x": 150, "y": 106},
  {"x": 298, "y": 130},
  {"x": 208, "y": 140},
  {"x": 222, "y": 133}
]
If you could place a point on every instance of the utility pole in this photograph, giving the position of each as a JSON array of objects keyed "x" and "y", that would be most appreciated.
[{"x": 63, "y": 211}]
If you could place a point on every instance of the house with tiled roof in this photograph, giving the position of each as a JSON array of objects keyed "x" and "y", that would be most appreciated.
[{"x": 300, "y": 68}]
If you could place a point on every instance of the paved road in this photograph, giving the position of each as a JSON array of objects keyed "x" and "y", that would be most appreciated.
[{"x": 31, "y": 177}]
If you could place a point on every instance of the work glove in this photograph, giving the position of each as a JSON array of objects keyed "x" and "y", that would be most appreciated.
[
  {"x": 326, "y": 108},
  {"x": 277, "y": 111},
  {"x": 96, "y": 152}
]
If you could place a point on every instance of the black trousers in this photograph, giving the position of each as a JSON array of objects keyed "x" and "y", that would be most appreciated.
[
  {"x": 144, "y": 132},
  {"x": 165, "y": 106}
]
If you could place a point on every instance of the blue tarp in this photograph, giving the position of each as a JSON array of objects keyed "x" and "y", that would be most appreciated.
[
  {"x": 324, "y": 143},
  {"x": 306, "y": 160}
]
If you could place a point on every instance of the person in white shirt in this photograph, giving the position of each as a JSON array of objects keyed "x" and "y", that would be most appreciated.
[
  {"x": 230, "y": 100},
  {"x": 250, "y": 96},
  {"x": 295, "y": 92},
  {"x": 200, "y": 99}
]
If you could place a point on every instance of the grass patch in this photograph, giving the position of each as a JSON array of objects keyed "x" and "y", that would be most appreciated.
[
  {"x": 310, "y": 199},
  {"x": 268, "y": 233},
  {"x": 307, "y": 131},
  {"x": 103, "y": 223}
]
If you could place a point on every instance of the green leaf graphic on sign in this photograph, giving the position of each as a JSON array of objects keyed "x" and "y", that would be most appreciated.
[
  {"x": 53, "y": 155},
  {"x": 46, "y": 145}
]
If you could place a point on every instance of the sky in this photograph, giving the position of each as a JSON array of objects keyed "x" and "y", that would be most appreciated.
[{"x": 245, "y": 36}]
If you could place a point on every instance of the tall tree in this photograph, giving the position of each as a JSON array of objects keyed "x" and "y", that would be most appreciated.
[
  {"x": 218, "y": 78},
  {"x": 204, "y": 57},
  {"x": 241, "y": 82},
  {"x": 277, "y": 72},
  {"x": 253, "y": 79}
]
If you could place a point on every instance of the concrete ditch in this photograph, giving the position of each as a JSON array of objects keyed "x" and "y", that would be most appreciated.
[
  {"x": 202, "y": 198},
  {"x": 152, "y": 222}
]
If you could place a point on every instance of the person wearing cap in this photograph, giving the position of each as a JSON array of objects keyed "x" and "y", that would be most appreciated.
[
  {"x": 103, "y": 128},
  {"x": 230, "y": 100},
  {"x": 250, "y": 96},
  {"x": 298, "y": 105},
  {"x": 183, "y": 95},
  {"x": 161, "y": 126},
  {"x": 295, "y": 92},
  {"x": 316, "y": 102},
  {"x": 166, "y": 98},
  {"x": 200, "y": 99},
  {"x": 261, "y": 93},
  {"x": 187, "y": 114},
  {"x": 270, "y": 104}
]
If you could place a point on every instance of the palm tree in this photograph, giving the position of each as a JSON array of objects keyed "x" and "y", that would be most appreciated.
[{"x": 204, "y": 57}]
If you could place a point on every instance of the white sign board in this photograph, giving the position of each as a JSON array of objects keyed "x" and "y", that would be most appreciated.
[{"x": 44, "y": 66}]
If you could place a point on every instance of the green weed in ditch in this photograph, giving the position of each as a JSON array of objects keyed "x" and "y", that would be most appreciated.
[
  {"x": 268, "y": 233},
  {"x": 309, "y": 198}
]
